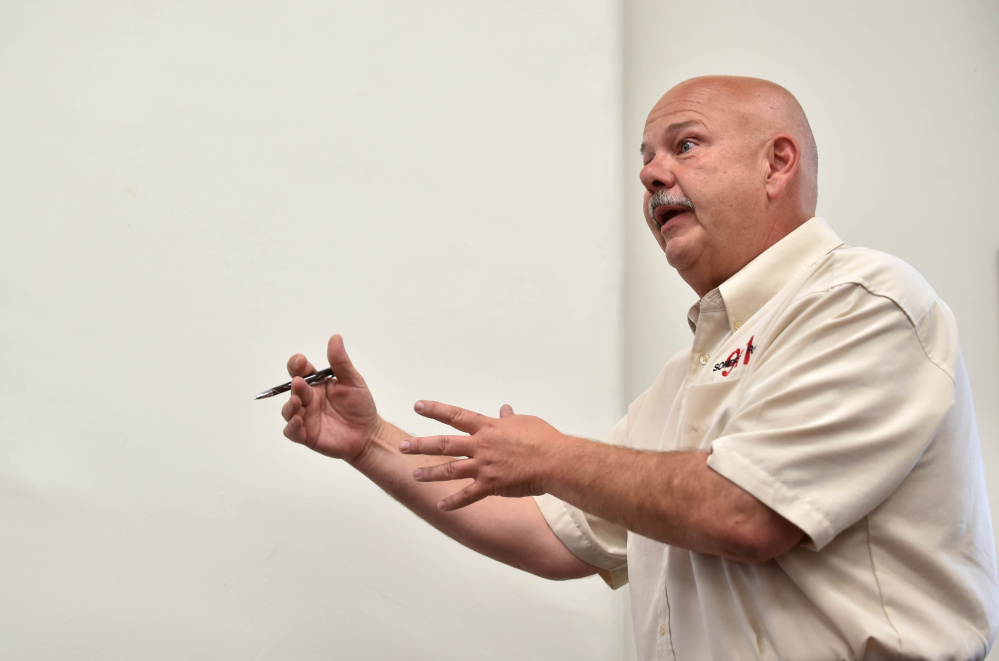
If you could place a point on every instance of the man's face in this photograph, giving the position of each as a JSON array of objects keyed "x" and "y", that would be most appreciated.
[{"x": 703, "y": 174}]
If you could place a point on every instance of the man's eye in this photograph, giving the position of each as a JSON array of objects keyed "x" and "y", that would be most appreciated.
[{"x": 685, "y": 146}]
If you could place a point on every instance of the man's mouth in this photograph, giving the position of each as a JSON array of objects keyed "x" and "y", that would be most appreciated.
[
  {"x": 662, "y": 215},
  {"x": 664, "y": 206}
]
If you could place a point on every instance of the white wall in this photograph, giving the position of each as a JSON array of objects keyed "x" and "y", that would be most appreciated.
[
  {"x": 902, "y": 98},
  {"x": 192, "y": 191}
]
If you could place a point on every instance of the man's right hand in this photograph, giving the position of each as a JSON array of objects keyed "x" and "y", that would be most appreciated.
[{"x": 336, "y": 418}]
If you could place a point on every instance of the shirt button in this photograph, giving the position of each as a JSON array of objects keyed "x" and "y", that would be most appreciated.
[
  {"x": 704, "y": 359},
  {"x": 737, "y": 325},
  {"x": 662, "y": 629}
]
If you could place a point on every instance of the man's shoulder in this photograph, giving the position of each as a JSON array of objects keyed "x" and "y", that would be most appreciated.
[{"x": 881, "y": 274}]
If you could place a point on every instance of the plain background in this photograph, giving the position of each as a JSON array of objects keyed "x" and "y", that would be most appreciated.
[{"x": 190, "y": 192}]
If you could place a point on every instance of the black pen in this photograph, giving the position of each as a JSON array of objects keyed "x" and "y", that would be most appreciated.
[{"x": 315, "y": 377}]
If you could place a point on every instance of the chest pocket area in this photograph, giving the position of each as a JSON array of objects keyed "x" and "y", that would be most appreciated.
[{"x": 707, "y": 408}]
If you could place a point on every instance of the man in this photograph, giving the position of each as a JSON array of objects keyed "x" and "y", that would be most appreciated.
[{"x": 804, "y": 482}]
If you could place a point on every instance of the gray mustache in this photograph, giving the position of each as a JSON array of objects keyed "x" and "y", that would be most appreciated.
[{"x": 663, "y": 196}]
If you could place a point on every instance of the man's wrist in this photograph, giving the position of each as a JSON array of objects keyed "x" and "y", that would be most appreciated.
[
  {"x": 384, "y": 438},
  {"x": 563, "y": 456}
]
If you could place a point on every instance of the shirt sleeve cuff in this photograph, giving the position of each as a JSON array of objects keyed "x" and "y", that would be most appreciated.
[
  {"x": 765, "y": 488},
  {"x": 607, "y": 552}
]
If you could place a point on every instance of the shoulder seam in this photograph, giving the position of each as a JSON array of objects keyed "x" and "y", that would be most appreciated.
[{"x": 913, "y": 322}]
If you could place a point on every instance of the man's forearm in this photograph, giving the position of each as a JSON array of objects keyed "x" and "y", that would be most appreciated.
[
  {"x": 511, "y": 530},
  {"x": 673, "y": 497}
]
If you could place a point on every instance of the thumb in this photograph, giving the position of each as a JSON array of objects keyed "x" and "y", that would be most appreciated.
[
  {"x": 506, "y": 411},
  {"x": 340, "y": 363}
]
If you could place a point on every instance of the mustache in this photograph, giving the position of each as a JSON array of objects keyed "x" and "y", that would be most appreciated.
[{"x": 664, "y": 197}]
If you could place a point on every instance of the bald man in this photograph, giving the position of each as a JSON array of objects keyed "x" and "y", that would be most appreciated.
[{"x": 804, "y": 482}]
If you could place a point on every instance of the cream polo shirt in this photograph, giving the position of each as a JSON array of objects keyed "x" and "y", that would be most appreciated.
[{"x": 826, "y": 381}]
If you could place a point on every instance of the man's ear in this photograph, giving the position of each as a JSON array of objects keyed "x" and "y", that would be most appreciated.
[{"x": 784, "y": 156}]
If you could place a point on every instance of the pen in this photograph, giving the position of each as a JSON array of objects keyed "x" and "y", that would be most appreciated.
[{"x": 315, "y": 377}]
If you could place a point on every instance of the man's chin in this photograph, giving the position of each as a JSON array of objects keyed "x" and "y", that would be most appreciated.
[{"x": 678, "y": 253}]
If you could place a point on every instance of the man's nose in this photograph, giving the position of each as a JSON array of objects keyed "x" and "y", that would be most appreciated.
[{"x": 656, "y": 175}]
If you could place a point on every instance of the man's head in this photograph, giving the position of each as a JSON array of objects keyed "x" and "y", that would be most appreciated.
[{"x": 730, "y": 168}]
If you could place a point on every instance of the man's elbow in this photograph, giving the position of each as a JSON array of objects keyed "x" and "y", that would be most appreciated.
[
  {"x": 560, "y": 568},
  {"x": 757, "y": 542}
]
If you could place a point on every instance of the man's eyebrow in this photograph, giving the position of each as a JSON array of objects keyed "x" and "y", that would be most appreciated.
[
  {"x": 680, "y": 126},
  {"x": 672, "y": 129}
]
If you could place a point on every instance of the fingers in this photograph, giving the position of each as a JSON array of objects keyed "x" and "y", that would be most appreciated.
[
  {"x": 293, "y": 410},
  {"x": 292, "y": 414},
  {"x": 440, "y": 446},
  {"x": 458, "y": 469},
  {"x": 290, "y": 408},
  {"x": 453, "y": 470},
  {"x": 470, "y": 494},
  {"x": 298, "y": 365},
  {"x": 459, "y": 418},
  {"x": 295, "y": 430},
  {"x": 452, "y": 446}
]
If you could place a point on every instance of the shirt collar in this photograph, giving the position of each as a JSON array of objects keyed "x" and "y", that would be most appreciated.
[{"x": 760, "y": 280}]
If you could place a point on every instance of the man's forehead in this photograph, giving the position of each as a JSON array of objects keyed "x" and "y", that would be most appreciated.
[
  {"x": 710, "y": 102},
  {"x": 694, "y": 98},
  {"x": 673, "y": 115}
]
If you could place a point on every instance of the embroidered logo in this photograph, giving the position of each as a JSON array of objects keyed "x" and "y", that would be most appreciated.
[{"x": 730, "y": 363}]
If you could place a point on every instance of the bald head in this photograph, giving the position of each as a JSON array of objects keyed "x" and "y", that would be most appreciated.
[{"x": 730, "y": 168}]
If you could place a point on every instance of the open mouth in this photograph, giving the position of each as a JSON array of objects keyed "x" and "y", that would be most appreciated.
[
  {"x": 664, "y": 206},
  {"x": 663, "y": 214}
]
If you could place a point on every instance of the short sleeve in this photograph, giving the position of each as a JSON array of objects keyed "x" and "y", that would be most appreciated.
[
  {"x": 839, "y": 408},
  {"x": 593, "y": 540}
]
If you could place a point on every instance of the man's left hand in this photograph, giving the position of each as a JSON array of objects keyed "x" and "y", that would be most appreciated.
[{"x": 506, "y": 456}]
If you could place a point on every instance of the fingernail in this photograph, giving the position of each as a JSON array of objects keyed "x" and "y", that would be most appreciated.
[
  {"x": 404, "y": 446},
  {"x": 442, "y": 506},
  {"x": 418, "y": 406},
  {"x": 418, "y": 473}
]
